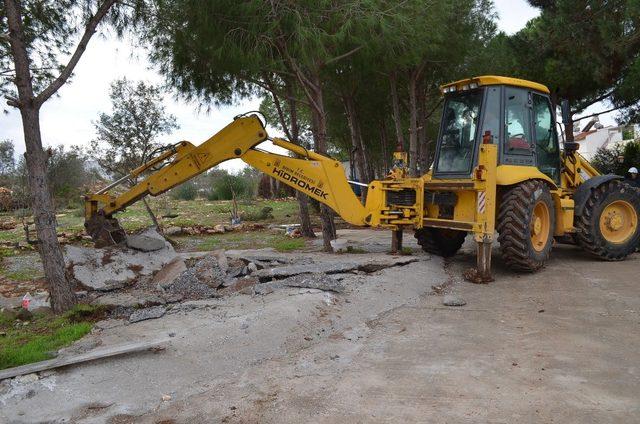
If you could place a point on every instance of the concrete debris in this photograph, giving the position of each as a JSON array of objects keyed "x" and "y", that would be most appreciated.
[
  {"x": 114, "y": 267},
  {"x": 241, "y": 285},
  {"x": 266, "y": 288},
  {"x": 222, "y": 260},
  {"x": 453, "y": 300},
  {"x": 235, "y": 271},
  {"x": 134, "y": 299},
  {"x": 199, "y": 281},
  {"x": 168, "y": 274},
  {"x": 147, "y": 313},
  {"x": 106, "y": 324},
  {"x": 148, "y": 241},
  {"x": 330, "y": 268},
  {"x": 313, "y": 281},
  {"x": 252, "y": 267},
  {"x": 291, "y": 270},
  {"x": 208, "y": 271}
]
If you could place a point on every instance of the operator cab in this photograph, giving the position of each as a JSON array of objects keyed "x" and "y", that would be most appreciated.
[{"x": 515, "y": 114}]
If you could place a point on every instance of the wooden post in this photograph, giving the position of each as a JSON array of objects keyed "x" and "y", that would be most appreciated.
[{"x": 396, "y": 241}]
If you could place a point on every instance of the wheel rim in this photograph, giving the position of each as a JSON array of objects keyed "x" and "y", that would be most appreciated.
[
  {"x": 540, "y": 225},
  {"x": 618, "y": 222}
]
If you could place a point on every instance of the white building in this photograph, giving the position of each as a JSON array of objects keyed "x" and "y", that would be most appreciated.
[{"x": 593, "y": 137}]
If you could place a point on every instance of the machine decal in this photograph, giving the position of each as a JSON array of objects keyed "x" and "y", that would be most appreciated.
[
  {"x": 482, "y": 201},
  {"x": 300, "y": 181}
]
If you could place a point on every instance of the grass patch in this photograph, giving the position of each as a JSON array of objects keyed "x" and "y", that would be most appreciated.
[
  {"x": 44, "y": 335},
  {"x": 289, "y": 244},
  {"x": 23, "y": 275},
  {"x": 406, "y": 251},
  {"x": 241, "y": 240}
]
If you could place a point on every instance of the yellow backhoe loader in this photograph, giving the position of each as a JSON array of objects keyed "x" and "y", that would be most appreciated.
[{"x": 498, "y": 167}]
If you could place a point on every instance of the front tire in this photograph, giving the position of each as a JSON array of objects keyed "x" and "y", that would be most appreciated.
[
  {"x": 526, "y": 222},
  {"x": 608, "y": 227},
  {"x": 440, "y": 241}
]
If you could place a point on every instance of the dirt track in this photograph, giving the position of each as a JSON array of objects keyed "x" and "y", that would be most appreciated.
[{"x": 557, "y": 346}]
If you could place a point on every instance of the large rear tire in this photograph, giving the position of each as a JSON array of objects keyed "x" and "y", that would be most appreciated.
[
  {"x": 608, "y": 227},
  {"x": 526, "y": 222},
  {"x": 440, "y": 241}
]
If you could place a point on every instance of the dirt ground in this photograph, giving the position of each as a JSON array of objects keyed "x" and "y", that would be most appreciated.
[{"x": 558, "y": 346}]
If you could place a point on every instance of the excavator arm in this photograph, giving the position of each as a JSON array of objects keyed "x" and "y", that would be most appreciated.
[{"x": 318, "y": 176}]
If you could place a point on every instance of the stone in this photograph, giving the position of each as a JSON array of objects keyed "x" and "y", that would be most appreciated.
[
  {"x": 173, "y": 231},
  {"x": 251, "y": 267},
  {"x": 219, "y": 229},
  {"x": 168, "y": 274},
  {"x": 147, "y": 313},
  {"x": 145, "y": 243},
  {"x": 115, "y": 266},
  {"x": 453, "y": 300}
]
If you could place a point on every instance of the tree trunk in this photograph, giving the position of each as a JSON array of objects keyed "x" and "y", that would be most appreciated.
[
  {"x": 413, "y": 125},
  {"x": 151, "y": 215},
  {"x": 385, "y": 149},
  {"x": 568, "y": 131},
  {"x": 319, "y": 120},
  {"x": 423, "y": 146},
  {"x": 60, "y": 288},
  {"x": 397, "y": 119},
  {"x": 303, "y": 200},
  {"x": 359, "y": 157}
]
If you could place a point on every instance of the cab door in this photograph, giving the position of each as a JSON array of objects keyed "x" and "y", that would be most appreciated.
[
  {"x": 547, "y": 148},
  {"x": 518, "y": 144}
]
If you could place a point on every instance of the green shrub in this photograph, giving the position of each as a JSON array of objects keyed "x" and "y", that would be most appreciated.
[
  {"x": 261, "y": 215},
  {"x": 185, "y": 191},
  {"x": 223, "y": 187}
]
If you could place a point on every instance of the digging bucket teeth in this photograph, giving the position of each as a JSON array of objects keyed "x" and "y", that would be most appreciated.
[{"x": 105, "y": 231}]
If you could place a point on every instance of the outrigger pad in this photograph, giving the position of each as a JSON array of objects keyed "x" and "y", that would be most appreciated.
[{"x": 105, "y": 231}]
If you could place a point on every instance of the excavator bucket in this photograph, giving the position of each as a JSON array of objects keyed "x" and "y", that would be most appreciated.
[{"x": 105, "y": 231}]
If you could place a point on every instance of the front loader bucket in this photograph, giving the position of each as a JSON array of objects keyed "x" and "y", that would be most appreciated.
[{"x": 105, "y": 231}]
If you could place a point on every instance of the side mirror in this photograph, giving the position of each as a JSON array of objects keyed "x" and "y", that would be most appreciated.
[{"x": 566, "y": 111}]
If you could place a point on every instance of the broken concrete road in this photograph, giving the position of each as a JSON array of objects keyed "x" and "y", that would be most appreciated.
[
  {"x": 115, "y": 267},
  {"x": 555, "y": 346}
]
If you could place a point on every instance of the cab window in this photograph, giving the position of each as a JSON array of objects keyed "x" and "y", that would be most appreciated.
[
  {"x": 517, "y": 122},
  {"x": 490, "y": 132}
]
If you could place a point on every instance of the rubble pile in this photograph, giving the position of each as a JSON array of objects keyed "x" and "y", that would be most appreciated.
[{"x": 140, "y": 280}]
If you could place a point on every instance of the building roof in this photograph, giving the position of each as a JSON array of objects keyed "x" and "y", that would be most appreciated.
[{"x": 496, "y": 80}]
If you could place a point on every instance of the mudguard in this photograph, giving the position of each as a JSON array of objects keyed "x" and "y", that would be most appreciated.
[{"x": 584, "y": 190}]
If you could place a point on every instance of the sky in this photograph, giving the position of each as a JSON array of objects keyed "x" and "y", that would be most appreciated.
[{"x": 67, "y": 119}]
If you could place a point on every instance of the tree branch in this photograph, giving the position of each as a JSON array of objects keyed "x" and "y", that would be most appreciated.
[
  {"x": 604, "y": 111},
  {"x": 342, "y": 56},
  {"x": 77, "y": 54},
  {"x": 12, "y": 101}
]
